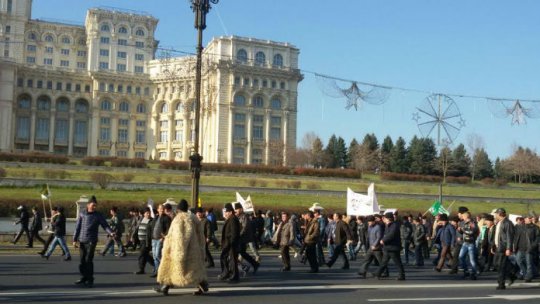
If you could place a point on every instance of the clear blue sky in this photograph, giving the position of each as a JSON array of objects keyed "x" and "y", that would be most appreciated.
[{"x": 486, "y": 48}]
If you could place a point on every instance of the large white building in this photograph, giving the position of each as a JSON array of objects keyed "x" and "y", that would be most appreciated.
[{"x": 97, "y": 90}]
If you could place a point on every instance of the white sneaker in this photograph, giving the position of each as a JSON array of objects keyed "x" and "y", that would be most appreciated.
[{"x": 295, "y": 255}]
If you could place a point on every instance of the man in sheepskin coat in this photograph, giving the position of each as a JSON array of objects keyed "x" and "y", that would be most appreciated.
[{"x": 182, "y": 263}]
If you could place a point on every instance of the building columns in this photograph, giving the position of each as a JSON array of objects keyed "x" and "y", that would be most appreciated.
[
  {"x": 52, "y": 119},
  {"x": 267, "y": 136},
  {"x": 32, "y": 129},
  {"x": 71, "y": 133}
]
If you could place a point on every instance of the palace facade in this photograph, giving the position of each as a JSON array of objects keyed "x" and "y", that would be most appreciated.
[{"x": 98, "y": 90}]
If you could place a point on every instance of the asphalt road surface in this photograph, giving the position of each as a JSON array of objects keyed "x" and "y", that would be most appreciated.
[{"x": 30, "y": 279}]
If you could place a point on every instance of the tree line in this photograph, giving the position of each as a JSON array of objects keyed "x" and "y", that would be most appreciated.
[{"x": 420, "y": 156}]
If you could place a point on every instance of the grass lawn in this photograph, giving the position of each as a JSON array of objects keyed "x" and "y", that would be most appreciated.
[{"x": 264, "y": 201}]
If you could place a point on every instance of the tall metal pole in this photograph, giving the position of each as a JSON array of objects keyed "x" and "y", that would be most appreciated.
[{"x": 200, "y": 8}]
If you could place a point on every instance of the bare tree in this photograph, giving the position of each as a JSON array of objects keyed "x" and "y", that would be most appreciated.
[
  {"x": 444, "y": 161},
  {"x": 523, "y": 164},
  {"x": 363, "y": 158},
  {"x": 276, "y": 157},
  {"x": 475, "y": 143}
]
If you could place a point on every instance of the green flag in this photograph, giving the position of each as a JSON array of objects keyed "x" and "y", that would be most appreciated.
[{"x": 437, "y": 208}]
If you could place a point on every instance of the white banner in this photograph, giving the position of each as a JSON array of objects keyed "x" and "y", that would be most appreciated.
[
  {"x": 247, "y": 204},
  {"x": 362, "y": 205}
]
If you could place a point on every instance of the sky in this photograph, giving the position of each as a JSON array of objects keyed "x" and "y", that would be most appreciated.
[{"x": 486, "y": 48}]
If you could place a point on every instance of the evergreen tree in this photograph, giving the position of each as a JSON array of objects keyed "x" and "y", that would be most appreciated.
[
  {"x": 386, "y": 149},
  {"x": 498, "y": 169},
  {"x": 351, "y": 152},
  {"x": 371, "y": 142},
  {"x": 461, "y": 161},
  {"x": 422, "y": 155},
  {"x": 398, "y": 157},
  {"x": 342, "y": 156},
  {"x": 318, "y": 153},
  {"x": 331, "y": 152},
  {"x": 484, "y": 166}
]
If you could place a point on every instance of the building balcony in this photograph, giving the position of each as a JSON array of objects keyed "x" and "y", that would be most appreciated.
[
  {"x": 176, "y": 144},
  {"x": 22, "y": 140},
  {"x": 60, "y": 142},
  {"x": 162, "y": 145},
  {"x": 122, "y": 145},
  {"x": 240, "y": 141},
  {"x": 140, "y": 146},
  {"x": 104, "y": 143},
  {"x": 81, "y": 144}
]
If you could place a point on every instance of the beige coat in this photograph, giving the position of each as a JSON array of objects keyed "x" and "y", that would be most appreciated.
[{"x": 182, "y": 262}]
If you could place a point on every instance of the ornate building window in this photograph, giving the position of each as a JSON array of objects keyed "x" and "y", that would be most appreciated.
[
  {"x": 42, "y": 129},
  {"x": 81, "y": 106},
  {"x": 165, "y": 108},
  {"x": 24, "y": 102},
  {"x": 122, "y": 30},
  {"x": 139, "y": 32},
  {"x": 81, "y": 132},
  {"x": 278, "y": 60},
  {"x": 124, "y": 107},
  {"x": 105, "y": 28},
  {"x": 239, "y": 100},
  {"x": 141, "y": 108},
  {"x": 66, "y": 40},
  {"x": 43, "y": 103},
  {"x": 62, "y": 105},
  {"x": 276, "y": 103},
  {"x": 106, "y": 105},
  {"x": 61, "y": 131},
  {"x": 258, "y": 102},
  {"x": 23, "y": 128},
  {"x": 260, "y": 59},
  {"x": 242, "y": 56},
  {"x": 49, "y": 38}
]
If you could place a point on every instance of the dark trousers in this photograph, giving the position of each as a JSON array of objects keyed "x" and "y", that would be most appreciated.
[
  {"x": 419, "y": 253},
  {"x": 446, "y": 251},
  {"x": 246, "y": 256},
  {"x": 209, "y": 259},
  {"x": 111, "y": 241},
  {"x": 229, "y": 262},
  {"x": 285, "y": 256},
  {"x": 370, "y": 257},
  {"x": 506, "y": 268},
  {"x": 455, "y": 257},
  {"x": 406, "y": 250},
  {"x": 35, "y": 235},
  {"x": 311, "y": 254},
  {"x": 320, "y": 253},
  {"x": 339, "y": 250},
  {"x": 396, "y": 258},
  {"x": 86, "y": 267},
  {"x": 144, "y": 255},
  {"x": 24, "y": 229}
]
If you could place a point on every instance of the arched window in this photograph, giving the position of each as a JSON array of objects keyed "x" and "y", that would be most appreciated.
[
  {"x": 260, "y": 58},
  {"x": 105, "y": 28},
  {"x": 258, "y": 102},
  {"x": 165, "y": 108},
  {"x": 82, "y": 41},
  {"x": 62, "y": 105},
  {"x": 122, "y": 30},
  {"x": 141, "y": 108},
  {"x": 180, "y": 108},
  {"x": 81, "y": 106},
  {"x": 24, "y": 102},
  {"x": 124, "y": 107},
  {"x": 106, "y": 105},
  {"x": 49, "y": 38},
  {"x": 276, "y": 103},
  {"x": 66, "y": 40},
  {"x": 32, "y": 36},
  {"x": 278, "y": 60},
  {"x": 43, "y": 103},
  {"x": 241, "y": 56},
  {"x": 239, "y": 100},
  {"x": 139, "y": 32}
]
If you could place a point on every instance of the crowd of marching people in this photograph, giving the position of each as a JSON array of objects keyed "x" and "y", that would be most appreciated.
[{"x": 176, "y": 244}]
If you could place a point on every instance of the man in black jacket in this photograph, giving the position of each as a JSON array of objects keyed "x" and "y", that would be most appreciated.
[
  {"x": 419, "y": 239},
  {"x": 391, "y": 246},
  {"x": 24, "y": 218},
  {"x": 144, "y": 235},
  {"x": 342, "y": 236},
  {"x": 35, "y": 227},
  {"x": 406, "y": 231},
  {"x": 230, "y": 246},
  {"x": 504, "y": 242},
  {"x": 207, "y": 230},
  {"x": 246, "y": 236},
  {"x": 58, "y": 224}
]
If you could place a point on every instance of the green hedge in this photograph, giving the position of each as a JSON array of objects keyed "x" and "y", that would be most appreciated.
[{"x": 34, "y": 158}]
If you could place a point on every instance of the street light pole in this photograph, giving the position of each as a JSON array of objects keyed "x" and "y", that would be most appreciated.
[{"x": 200, "y": 8}]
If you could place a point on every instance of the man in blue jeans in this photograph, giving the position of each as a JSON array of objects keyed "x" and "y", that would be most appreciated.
[
  {"x": 161, "y": 227},
  {"x": 58, "y": 224},
  {"x": 470, "y": 232}
]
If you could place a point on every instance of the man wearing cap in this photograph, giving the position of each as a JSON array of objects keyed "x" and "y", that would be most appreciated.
[
  {"x": 419, "y": 240},
  {"x": 488, "y": 242},
  {"x": 24, "y": 219},
  {"x": 230, "y": 245},
  {"x": 469, "y": 231},
  {"x": 311, "y": 239},
  {"x": 504, "y": 242},
  {"x": 182, "y": 263},
  {"x": 207, "y": 229},
  {"x": 375, "y": 234},
  {"x": 525, "y": 243},
  {"x": 391, "y": 243},
  {"x": 447, "y": 237},
  {"x": 246, "y": 236},
  {"x": 86, "y": 237}
]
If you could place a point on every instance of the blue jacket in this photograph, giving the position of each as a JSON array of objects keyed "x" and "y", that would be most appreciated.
[
  {"x": 375, "y": 235},
  {"x": 448, "y": 235},
  {"x": 87, "y": 227}
]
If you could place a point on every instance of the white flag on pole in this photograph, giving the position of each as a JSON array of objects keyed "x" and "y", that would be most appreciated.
[
  {"x": 247, "y": 204},
  {"x": 362, "y": 205}
]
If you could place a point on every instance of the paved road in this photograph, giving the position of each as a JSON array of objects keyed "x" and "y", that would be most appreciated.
[{"x": 29, "y": 279}]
